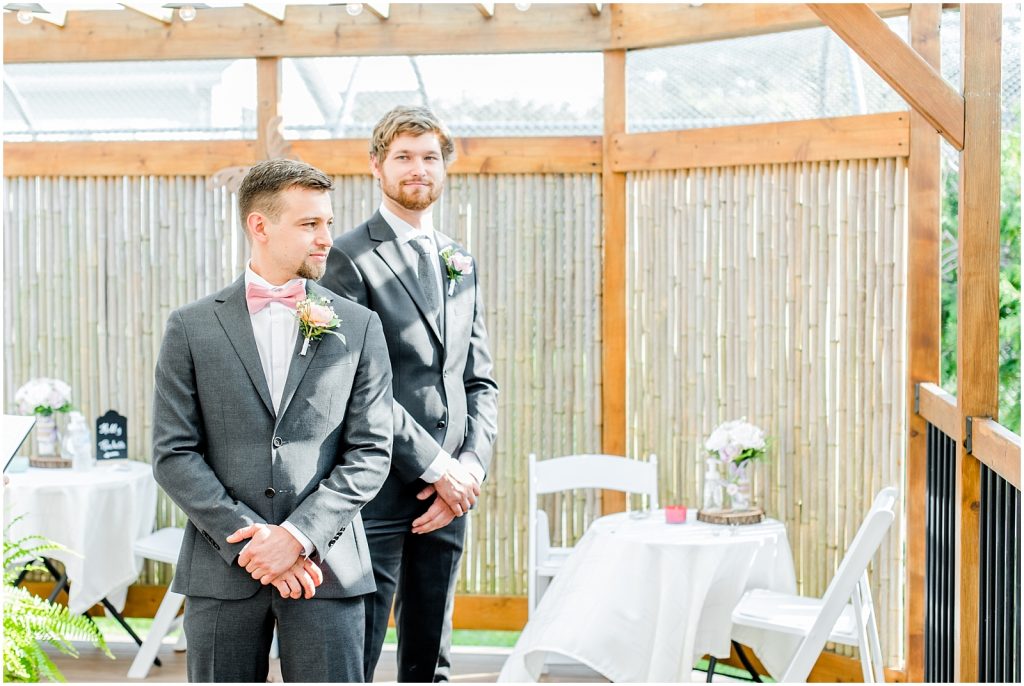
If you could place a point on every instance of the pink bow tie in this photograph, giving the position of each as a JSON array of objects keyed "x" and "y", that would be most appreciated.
[{"x": 257, "y": 297}]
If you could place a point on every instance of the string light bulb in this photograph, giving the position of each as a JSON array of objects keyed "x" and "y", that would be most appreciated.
[
  {"x": 25, "y": 17},
  {"x": 522, "y": 6},
  {"x": 187, "y": 12},
  {"x": 354, "y": 9}
]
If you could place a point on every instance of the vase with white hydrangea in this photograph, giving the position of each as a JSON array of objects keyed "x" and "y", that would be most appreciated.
[
  {"x": 44, "y": 397},
  {"x": 734, "y": 446}
]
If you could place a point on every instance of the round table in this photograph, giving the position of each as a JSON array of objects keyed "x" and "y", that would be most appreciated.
[
  {"x": 97, "y": 515},
  {"x": 640, "y": 600}
]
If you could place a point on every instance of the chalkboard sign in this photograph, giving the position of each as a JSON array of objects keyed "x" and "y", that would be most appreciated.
[{"x": 112, "y": 436}]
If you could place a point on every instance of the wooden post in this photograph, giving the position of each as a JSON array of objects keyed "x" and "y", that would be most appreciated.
[
  {"x": 977, "y": 299},
  {"x": 923, "y": 325},
  {"x": 613, "y": 311},
  {"x": 268, "y": 98}
]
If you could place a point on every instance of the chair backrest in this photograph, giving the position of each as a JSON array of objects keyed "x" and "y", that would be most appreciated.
[
  {"x": 595, "y": 471},
  {"x": 840, "y": 590},
  {"x": 578, "y": 471}
]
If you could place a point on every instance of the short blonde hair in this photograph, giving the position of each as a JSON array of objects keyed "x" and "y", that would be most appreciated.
[{"x": 413, "y": 120}]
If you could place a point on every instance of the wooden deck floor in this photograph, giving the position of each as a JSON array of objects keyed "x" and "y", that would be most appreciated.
[{"x": 469, "y": 665}]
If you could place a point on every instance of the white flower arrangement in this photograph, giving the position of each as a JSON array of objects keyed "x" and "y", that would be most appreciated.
[
  {"x": 43, "y": 396},
  {"x": 737, "y": 442}
]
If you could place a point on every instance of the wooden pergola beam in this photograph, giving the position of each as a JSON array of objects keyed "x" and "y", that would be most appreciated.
[
  {"x": 534, "y": 155},
  {"x": 310, "y": 31},
  {"x": 977, "y": 363},
  {"x": 839, "y": 138},
  {"x": 899, "y": 65},
  {"x": 923, "y": 326},
  {"x": 614, "y": 317},
  {"x": 650, "y": 25},
  {"x": 321, "y": 30}
]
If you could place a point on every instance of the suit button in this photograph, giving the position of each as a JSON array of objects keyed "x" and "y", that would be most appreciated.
[
  {"x": 278, "y": 442},
  {"x": 270, "y": 492},
  {"x": 441, "y": 424}
]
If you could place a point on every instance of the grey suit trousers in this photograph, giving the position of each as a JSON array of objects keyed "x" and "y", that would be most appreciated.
[{"x": 229, "y": 640}]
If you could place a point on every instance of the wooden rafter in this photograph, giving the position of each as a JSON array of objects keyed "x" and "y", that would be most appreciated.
[
  {"x": 485, "y": 8},
  {"x": 274, "y": 10},
  {"x": 380, "y": 9},
  {"x": 899, "y": 65},
  {"x": 595, "y": 8},
  {"x": 164, "y": 15}
]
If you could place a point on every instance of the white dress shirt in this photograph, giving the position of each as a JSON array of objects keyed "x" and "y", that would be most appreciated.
[
  {"x": 276, "y": 329},
  {"x": 407, "y": 233}
]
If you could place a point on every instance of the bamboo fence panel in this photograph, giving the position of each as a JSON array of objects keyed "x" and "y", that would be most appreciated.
[
  {"x": 94, "y": 266},
  {"x": 776, "y": 292}
]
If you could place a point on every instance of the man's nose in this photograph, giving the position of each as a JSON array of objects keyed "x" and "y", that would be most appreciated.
[{"x": 323, "y": 236}]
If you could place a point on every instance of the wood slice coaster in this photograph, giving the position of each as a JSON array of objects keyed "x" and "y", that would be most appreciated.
[
  {"x": 753, "y": 516},
  {"x": 49, "y": 462}
]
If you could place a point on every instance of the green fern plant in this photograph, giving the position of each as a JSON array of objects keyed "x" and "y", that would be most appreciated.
[{"x": 29, "y": 620}]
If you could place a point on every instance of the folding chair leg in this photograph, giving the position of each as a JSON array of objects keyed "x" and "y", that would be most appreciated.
[
  {"x": 165, "y": 617},
  {"x": 712, "y": 661},
  {"x": 754, "y": 676}
]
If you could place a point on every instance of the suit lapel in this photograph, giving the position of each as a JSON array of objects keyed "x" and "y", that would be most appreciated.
[
  {"x": 443, "y": 242},
  {"x": 234, "y": 318},
  {"x": 391, "y": 253},
  {"x": 300, "y": 363}
]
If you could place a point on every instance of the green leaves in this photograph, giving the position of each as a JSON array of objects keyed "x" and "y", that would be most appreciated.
[{"x": 29, "y": 620}]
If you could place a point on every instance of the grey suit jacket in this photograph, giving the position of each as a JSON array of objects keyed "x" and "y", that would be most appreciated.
[
  {"x": 226, "y": 459},
  {"x": 444, "y": 389}
]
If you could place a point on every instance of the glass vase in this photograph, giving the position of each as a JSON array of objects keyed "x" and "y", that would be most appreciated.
[{"x": 46, "y": 435}]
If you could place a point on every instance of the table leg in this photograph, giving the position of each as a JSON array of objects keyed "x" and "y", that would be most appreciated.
[
  {"x": 60, "y": 577},
  {"x": 62, "y": 583}
]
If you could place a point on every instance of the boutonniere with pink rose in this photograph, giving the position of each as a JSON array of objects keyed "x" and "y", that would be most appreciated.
[
  {"x": 458, "y": 266},
  {"x": 316, "y": 317}
]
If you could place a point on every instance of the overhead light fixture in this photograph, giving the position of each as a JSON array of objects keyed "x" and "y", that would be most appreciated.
[
  {"x": 186, "y": 10},
  {"x": 522, "y": 6},
  {"x": 25, "y": 11},
  {"x": 354, "y": 9}
]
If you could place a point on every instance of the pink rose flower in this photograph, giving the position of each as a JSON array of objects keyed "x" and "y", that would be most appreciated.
[
  {"x": 320, "y": 315},
  {"x": 462, "y": 263}
]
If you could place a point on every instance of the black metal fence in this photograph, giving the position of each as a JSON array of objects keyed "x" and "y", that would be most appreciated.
[
  {"x": 940, "y": 563},
  {"x": 999, "y": 581}
]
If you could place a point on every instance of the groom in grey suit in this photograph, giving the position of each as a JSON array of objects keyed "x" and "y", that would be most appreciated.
[
  {"x": 271, "y": 431},
  {"x": 425, "y": 289}
]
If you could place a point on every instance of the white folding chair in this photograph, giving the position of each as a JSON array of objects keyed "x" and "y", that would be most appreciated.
[
  {"x": 163, "y": 546},
  {"x": 845, "y": 614},
  {"x": 567, "y": 473}
]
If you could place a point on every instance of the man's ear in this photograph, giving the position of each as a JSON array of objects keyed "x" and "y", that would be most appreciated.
[
  {"x": 374, "y": 167},
  {"x": 256, "y": 224}
]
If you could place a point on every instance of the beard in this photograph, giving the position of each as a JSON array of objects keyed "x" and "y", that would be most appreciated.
[
  {"x": 415, "y": 200},
  {"x": 312, "y": 270}
]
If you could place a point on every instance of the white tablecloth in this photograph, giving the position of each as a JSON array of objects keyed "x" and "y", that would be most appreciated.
[
  {"x": 97, "y": 514},
  {"x": 640, "y": 600}
]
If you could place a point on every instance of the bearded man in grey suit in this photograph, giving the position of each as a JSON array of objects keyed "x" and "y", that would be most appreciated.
[
  {"x": 271, "y": 430},
  {"x": 425, "y": 289}
]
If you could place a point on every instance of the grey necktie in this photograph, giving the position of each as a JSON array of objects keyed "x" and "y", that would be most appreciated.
[{"x": 425, "y": 275}]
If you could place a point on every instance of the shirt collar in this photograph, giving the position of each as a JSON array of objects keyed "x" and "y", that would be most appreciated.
[
  {"x": 406, "y": 231},
  {"x": 253, "y": 277}
]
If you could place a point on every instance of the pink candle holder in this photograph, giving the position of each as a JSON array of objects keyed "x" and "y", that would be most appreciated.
[{"x": 675, "y": 514}]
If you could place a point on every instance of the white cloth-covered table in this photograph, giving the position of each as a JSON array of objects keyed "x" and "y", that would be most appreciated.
[
  {"x": 641, "y": 600},
  {"x": 97, "y": 514}
]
